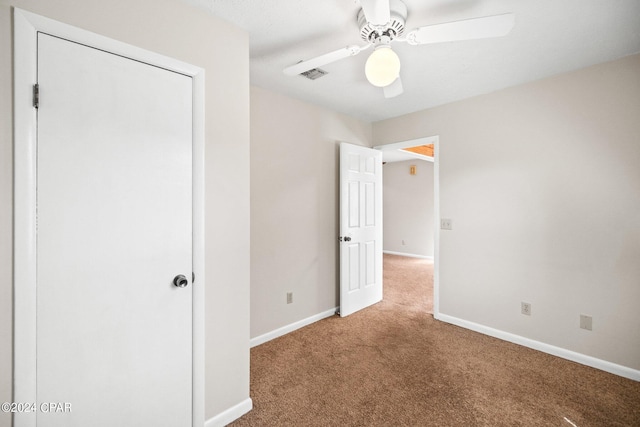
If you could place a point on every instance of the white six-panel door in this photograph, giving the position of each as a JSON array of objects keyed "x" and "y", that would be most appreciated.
[{"x": 360, "y": 227}]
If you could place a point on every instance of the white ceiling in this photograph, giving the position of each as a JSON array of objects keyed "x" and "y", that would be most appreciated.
[{"x": 549, "y": 37}]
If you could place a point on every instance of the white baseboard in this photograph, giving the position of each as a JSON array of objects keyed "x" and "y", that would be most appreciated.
[
  {"x": 291, "y": 327},
  {"x": 407, "y": 255},
  {"x": 583, "y": 359},
  {"x": 231, "y": 414}
]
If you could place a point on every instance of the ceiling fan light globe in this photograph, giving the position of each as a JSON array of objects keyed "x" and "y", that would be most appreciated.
[{"x": 382, "y": 67}]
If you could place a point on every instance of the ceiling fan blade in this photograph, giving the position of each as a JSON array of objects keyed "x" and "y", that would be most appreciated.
[
  {"x": 394, "y": 89},
  {"x": 325, "y": 59},
  {"x": 468, "y": 29},
  {"x": 377, "y": 12}
]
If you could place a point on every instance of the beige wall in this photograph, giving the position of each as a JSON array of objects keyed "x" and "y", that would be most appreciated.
[
  {"x": 173, "y": 29},
  {"x": 408, "y": 208},
  {"x": 542, "y": 182},
  {"x": 294, "y": 207}
]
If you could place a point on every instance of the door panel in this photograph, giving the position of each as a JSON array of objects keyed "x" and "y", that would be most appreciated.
[
  {"x": 360, "y": 227},
  {"x": 114, "y": 209}
]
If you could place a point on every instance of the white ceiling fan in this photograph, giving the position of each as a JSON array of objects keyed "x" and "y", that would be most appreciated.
[{"x": 382, "y": 22}]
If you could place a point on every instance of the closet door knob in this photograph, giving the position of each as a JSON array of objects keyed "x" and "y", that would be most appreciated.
[{"x": 180, "y": 281}]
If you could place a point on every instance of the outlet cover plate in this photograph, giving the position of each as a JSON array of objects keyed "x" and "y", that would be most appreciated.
[{"x": 586, "y": 322}]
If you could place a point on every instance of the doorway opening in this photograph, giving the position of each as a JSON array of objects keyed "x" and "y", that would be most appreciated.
[{"x": 418, "y": 157}]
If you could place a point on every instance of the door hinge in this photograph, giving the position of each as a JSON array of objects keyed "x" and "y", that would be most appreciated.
[
  {"x": 193, "y": 277},
  {"x": 36, "y": 95}
]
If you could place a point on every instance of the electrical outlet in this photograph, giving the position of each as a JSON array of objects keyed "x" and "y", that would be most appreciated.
[
  {"x": 525, "y": 308},
  {"x": 586, "y": 322},
  {"x": 446, "y": 224},
  {"x": 403, "y": 243},
  {"x": 289, "y": 297}
]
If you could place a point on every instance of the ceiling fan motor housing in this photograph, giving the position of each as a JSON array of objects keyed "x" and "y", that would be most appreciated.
[{"x": 394, "y": 28}]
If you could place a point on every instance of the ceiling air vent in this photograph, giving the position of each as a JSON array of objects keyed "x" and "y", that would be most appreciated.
[{"x": 314, "y": 73}]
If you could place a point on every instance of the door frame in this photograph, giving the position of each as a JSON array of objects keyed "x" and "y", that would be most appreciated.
[
  {"x": 435, "y": 140},
  {"x": 26, "y": 26}
]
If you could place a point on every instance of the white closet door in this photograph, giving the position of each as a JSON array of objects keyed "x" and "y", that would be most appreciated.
[{"x": 114, "y": 212}]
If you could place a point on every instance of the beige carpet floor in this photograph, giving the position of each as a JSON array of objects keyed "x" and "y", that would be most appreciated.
[{"x": 394, "y": 365}]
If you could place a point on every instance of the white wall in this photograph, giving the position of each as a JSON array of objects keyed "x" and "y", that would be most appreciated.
[
  {"x": 542, "y": 182},
  {"x": 294, "y": 207},
  {"x": 408, "y": 207},
  {"x": 173, "y": 29}
]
